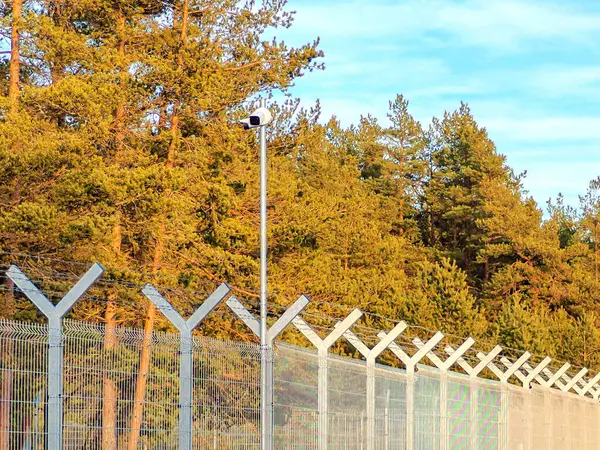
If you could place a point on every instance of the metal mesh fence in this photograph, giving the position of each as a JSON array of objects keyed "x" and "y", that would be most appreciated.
[{"x": 451, "y": 411}]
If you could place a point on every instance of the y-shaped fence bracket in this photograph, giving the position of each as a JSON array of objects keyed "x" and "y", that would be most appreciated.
[
  {"x": 272, "y": 333},
  {"x": 552, "y": 377},
  {"x": 371, "y": 356},
  {"x": 323, "y": 346},
  {"x": 55, "y": 316},
  {"x": 410, "y": 362},
  {"x": 186, "y": 358}
]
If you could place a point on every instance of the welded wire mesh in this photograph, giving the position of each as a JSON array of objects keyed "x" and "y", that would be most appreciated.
[
  {"x": 226, "y": 410},
  {"x": 101, "y": 369},
  {"x": 22, "y": 385},
  {"x": 296, "y": 400}
]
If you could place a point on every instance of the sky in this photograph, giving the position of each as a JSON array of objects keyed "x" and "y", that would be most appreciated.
[{"x": 529, "y": 70}]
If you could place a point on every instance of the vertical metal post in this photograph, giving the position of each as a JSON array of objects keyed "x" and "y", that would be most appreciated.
[
  {"x": 505, "y": 442},
  {"x": 444, "y": 420},
  {"x": 266, "y": 404},
  {"x": 370, "y": 402},
  {"x": 387, "y": 421},
  {"x": 55, "y": 316},
  {"x": 55, "y": 385},
  {"x": 267, "y": 376},
  {"x": 410, "y": 407},
  {"x": 323, "y": 399},
  {"x": 549, "y": 429},
  {"x": 186, "y": 356},
  {"x": 473, "y": 406},
  {"x": 186, "y": 392}
]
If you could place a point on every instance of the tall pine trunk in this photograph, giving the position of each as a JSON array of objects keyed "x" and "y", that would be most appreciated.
[
  {"x": 120, "y": 113},
  {"x": 140, "y": 388},
  {"x": 109, "y": 388},
  {"x": 15, "y": 56},
  {"x": 142, "y": 378},
  {"x": 6, "y": 386},
  {"x": 596, "y": 252}
]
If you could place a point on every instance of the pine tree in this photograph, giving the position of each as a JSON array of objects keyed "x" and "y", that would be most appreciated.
[
  {"x": 590, "y": 221},
  {"x": 463, "y": 159}
]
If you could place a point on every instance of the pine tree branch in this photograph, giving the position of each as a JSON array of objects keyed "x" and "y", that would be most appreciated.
[
  {"x": 249, "y": 65},
  {"x": 213, "y": 276}
]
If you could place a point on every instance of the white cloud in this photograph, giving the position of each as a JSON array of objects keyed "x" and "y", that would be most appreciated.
[
  {"x": 544, "y": 129},
  {"x": 556, "y": 82},
  {"x": 547, "y": 179},
  {"x": 522, "y": 65},
  {"x": 473, "y": 22}
]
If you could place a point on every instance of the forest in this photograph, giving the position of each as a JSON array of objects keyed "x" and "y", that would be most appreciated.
[{"x": 119, "y": 144}]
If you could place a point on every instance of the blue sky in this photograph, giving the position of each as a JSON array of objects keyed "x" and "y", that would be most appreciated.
[{"x": 530, "y": 70}]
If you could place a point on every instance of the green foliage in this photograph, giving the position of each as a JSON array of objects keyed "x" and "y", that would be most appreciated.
[{"x": 123, "y": 149}]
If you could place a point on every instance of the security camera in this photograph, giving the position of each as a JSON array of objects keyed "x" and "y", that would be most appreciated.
[{"x": 259, "y": 118}]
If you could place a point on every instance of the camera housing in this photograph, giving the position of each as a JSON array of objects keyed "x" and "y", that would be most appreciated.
[{"x": 259, "y": 118}]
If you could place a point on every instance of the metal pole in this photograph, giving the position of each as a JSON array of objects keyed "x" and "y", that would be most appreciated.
[
  {"x": 387, "y": 420},
  {"x": 55, "y": 374},
  {"x": 186, "y": 364},
  {"x": 370, "y": 402},
  {"x": 410, "y": 407},
  {"x": 266, "y": 424},
  {"x": 444, "y": 419},
  {"x": 473, "y": 407},
  {"x": 322, "y": 399}
]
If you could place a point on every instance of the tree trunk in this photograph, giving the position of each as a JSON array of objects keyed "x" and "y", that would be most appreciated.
[
  {"x": 596, "y": 253},
  {"x": 6, "y": 386},
  {"x": 120, "y": 113},
  {"x": 109, "y": 388},
  {"x": 15, "y": 57},
  {"x": 140, "y": 387}
]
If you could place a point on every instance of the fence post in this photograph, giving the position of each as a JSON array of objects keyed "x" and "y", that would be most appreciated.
[
  {"x": 410, "y": 362},
  {"x": 55, "y": 315},
  {"x": 323, "y": 346},
  {"x": 186, "y": 356},
  {"x": 444, "y": 366},
  {"x": 272, "y": 333},
  {"x": 371, "y": 356},
  {"x": 386, "y": 424}
]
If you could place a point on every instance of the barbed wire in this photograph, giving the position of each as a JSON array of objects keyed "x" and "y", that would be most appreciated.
[{"x": 365, "y": 332}]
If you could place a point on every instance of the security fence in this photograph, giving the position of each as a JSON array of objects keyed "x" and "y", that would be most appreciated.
[{"x": 206, "y": 392}]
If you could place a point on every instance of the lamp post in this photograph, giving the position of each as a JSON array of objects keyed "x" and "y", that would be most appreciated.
[{"x": 260, "y": 119}]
